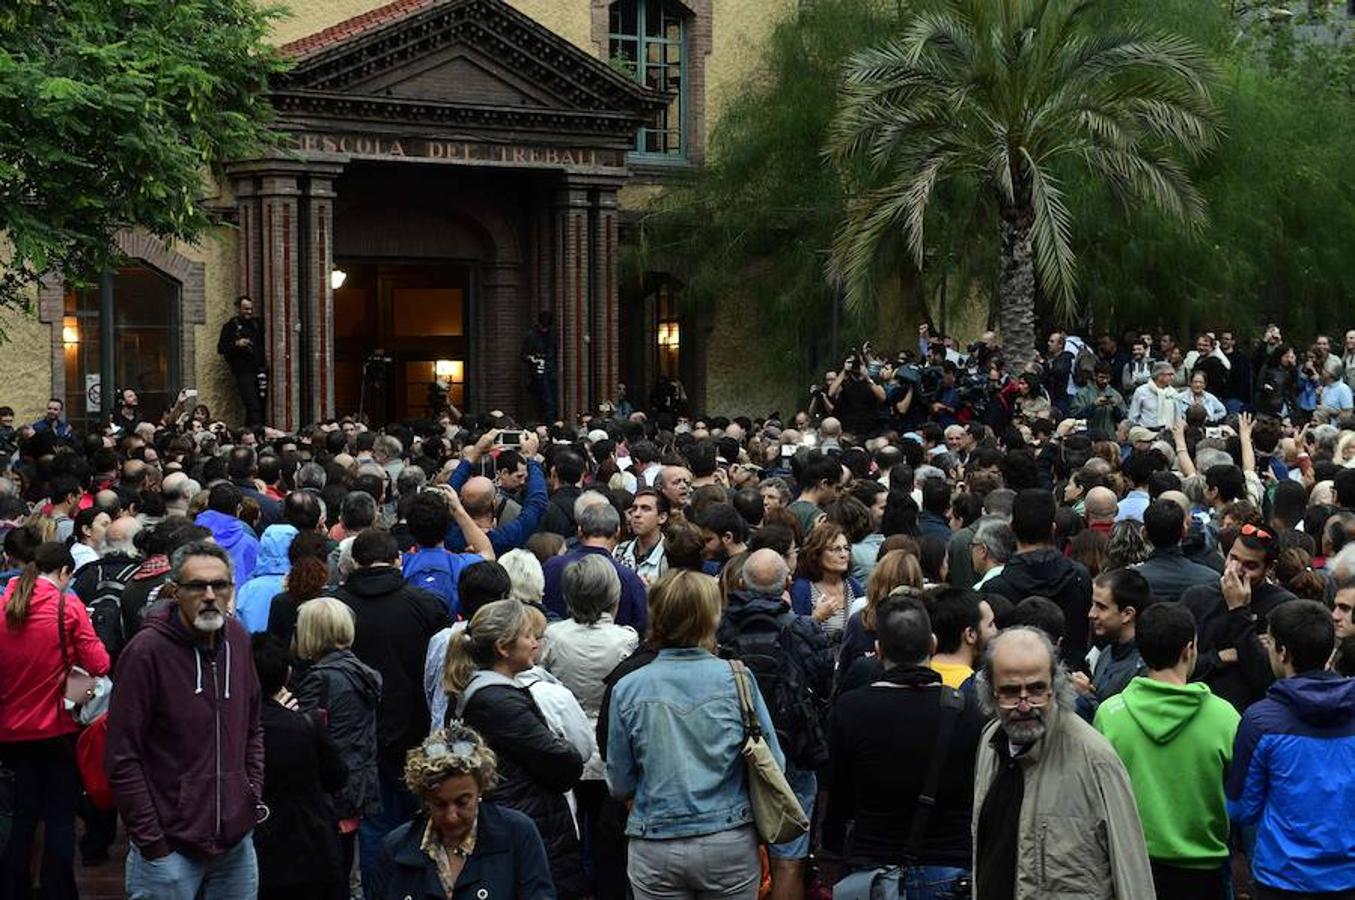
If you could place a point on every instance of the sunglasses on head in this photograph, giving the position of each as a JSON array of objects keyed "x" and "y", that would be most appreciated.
[{"x": 1250, "y": 530}]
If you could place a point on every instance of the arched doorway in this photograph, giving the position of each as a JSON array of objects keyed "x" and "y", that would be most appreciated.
[{"x": 417, "y": 247}]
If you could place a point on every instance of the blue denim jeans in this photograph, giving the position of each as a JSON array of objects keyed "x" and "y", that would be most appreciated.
[
  {"x": 398, "y": 806},
  {"x": 806, "y": 788},
  {"x": 913, "y": 882},
  {"x": 234, "y": 875}
]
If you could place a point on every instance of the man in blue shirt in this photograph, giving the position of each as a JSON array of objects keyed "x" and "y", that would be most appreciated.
[
  {"x": 54, "y": 423},
  {"x": 481, "y": 499},
  {"x": 430, "y": 566},
  {"x": 1335, "y": 395},
  {"x": 599, "y": 528}
]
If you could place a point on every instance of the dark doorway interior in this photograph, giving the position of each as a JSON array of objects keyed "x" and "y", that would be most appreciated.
[{"x": 418, "y": 314}]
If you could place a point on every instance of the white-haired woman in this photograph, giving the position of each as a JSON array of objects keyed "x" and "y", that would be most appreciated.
[
  {"x": 524, "y": 571},
  {"x": 581, "y": 651}
]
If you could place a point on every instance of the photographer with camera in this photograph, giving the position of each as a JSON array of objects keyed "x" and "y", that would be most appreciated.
[{"x": 856, "y": 397}]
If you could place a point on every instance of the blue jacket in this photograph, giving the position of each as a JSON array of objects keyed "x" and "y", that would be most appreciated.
[
  {"x": 253, "y": 598},
  {"x": 509, "y": 861},
  {"x": 1293, "y": 776},
  {"x": 801, "y": 590},
  {"x": 513, "y": 535},
  {"x": 437, "y": 571},
  {"x": 633, "y": 608},
  {"x": 674, "y": 741},
  {"x": 238, "y": 539}
]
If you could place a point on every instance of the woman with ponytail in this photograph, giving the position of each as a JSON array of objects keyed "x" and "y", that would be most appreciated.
[
  {"x": 37, "y": 734},
  {"x": 536, "y": 765}
]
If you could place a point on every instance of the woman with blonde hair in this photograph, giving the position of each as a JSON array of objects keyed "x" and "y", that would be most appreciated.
[
  {"x": 538, "y": 766},
  {"x": 467, "y": 845},
  {"x": 349, "y": 692},
  {"x": 674, "y": 739}
]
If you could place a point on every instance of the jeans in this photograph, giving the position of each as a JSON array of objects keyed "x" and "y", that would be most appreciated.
[
  {"x": 247, "y": 384},
  {"x": 398, "y": 806},
  {"x": 914, "y": 882},
  {"x": 47, "y": 789},
  {"x": 806, "y": 787},
  {"x": 720, "y": 865},
  {"x": 234, "y": 875},
  {"x": 1178, "y": 883}
]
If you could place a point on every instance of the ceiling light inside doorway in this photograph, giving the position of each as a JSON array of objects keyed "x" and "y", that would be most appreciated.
[{"x": 336, "y": 278}]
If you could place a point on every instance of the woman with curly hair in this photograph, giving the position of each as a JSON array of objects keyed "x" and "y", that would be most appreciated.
[{"x": 468, "y": 846}]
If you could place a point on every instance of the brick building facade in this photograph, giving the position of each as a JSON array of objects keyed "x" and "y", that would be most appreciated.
[{"x": 451, "y": 168}]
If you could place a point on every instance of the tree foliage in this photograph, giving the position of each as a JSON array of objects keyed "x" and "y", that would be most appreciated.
[{"x": 111, "y": 113}]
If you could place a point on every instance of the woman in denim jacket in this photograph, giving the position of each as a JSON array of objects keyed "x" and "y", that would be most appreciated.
[{"x": 674, "y": 740}]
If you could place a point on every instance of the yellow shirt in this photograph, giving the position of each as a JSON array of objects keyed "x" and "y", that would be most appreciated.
[{"x": 952, "y": 674}]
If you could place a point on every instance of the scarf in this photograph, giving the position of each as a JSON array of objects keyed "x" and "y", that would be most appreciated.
[{"x": 1166, "y": 404}]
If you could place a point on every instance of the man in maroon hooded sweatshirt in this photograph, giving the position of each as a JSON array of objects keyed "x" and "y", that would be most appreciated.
[{"x": 185, "y": 749}]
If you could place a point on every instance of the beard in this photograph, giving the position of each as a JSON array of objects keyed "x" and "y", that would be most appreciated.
[
  {"x": 209, "y": 620},
  {"x": 1023, "y": 728}
]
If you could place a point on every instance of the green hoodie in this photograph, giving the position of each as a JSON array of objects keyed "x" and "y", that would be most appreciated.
[{"x": 1176, "y": 741}]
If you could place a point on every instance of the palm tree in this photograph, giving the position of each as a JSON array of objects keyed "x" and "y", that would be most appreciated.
[{"x": 1008, "y": 97}]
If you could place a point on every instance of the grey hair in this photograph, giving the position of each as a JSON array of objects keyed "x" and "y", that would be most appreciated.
[
  {"x": 587, "y": 499},
  {"x": 311, "y": 475},
  {"x": 1193, "y": 487},
  {"x": 591, "y": 588},
  {"x": 923, "y": 472},
  {"x": 524, "y": 571},
  {"x": 181, "y": 556},
  {"x": 996, "y": 535},
  {"x": 410, "y": 480},
  {"x": 597, "y": 519},
  {"x": 1064, "y": 693},
  {"x": 389, "y": 445},
  {"x": 772, "y": 587},
  {"x": 779, "y": 485},
  {"x": 1208, "y": 457}
]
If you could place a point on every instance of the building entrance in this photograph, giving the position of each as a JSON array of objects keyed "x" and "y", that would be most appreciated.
[{"x": 402, "y": 339}]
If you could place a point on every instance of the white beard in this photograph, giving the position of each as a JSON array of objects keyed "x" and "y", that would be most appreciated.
[{"x": 209, "y": 621}]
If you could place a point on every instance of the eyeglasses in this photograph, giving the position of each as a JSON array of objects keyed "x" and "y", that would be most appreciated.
[
  {"x": 1010, "y": 696},
  {"x": 198, "y": 588},
  {"x": 1250, "y": 530}
]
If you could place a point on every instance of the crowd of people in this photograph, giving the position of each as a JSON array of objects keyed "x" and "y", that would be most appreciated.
[{"x": 1082, "y": 632}]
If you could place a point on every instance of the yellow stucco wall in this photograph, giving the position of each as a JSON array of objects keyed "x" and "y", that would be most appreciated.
[
  {"x": 25, "y": 363},
  {"x": 568, "y": 18}
]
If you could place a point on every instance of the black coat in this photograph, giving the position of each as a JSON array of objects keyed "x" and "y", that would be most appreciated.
[
  {"x": 299, "y": 841},
  {"x": 349, "y": 692},
  {"x": 242, "y": 359},
  {"x": 536, "y": 768},
  {"x": 559, "y": 515},
  {"x": 1047, "y": 573},
  {"x": 394, "y": 624},
  {"x": 509, "y": 862}
]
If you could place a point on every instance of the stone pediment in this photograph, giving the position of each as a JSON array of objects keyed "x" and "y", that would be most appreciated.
[{"x": 466, "y": 54}]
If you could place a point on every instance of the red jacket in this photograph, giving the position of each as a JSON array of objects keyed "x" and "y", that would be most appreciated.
[
  {"x": 31, "y": 675},
  {"x": 185, "y": 749}
]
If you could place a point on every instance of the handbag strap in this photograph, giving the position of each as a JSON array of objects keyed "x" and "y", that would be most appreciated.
[
  {"x": 751, "y": 728},
  {"x": 952, "y": 702}
]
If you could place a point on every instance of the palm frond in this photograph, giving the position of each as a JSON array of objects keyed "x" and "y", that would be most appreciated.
[{"x": 1053, "y": 237}]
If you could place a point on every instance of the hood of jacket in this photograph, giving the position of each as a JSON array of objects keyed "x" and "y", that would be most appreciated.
[
  {"x": 365, "y": 679},
  {"x": 273, "y": 547},
  {"x": 375, "y": 581},
  {"x": 1045, "y": 572},
  {"x": 1161, "y": 710},
  {"x": 1318, "y": 698},
  {"x": 744, "y": 603},
  {"x": 228, "y": 531}
]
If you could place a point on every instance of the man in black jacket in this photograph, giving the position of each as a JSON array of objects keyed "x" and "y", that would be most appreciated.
[
  {"x": 1168, "y": 571},
  {"x": 883, "y": 741},
  {"x": 1039, "y": 570},
  {"x": 567, "y": 468},
  {"x": 241, "y": 343},
  {"x": 798, "y": 655},
  {"x": 394, "y": 623},
  {"x": 1230, "y": 614}
]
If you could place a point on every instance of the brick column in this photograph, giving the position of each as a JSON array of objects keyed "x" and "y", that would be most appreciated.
[
  {"x": 249, "y": 267},
  {"x": 606, "y": 345},
  {"x": 571, "y": 297},
  {"x": 498, "y": 336},
  {"x": 318, "y": 303},
  {"x": 279, "y": 202}
]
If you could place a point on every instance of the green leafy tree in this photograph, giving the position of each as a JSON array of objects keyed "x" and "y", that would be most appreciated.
[
  {"x": 111, "y": 114},
  {"x": 1010, "y": 99}
]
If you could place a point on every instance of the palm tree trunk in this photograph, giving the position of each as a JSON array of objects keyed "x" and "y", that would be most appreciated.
[{"x": 1016, "y": 285}]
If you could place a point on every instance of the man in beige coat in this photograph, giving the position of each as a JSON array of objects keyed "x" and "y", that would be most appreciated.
[{"x": 1054, "y": 814}]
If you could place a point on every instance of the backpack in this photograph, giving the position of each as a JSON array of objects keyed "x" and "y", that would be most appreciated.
[
  {"x": 105, "y": 609},
  {"x": 89, "y": 759},
  {"x": 764, "y": 644}
]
